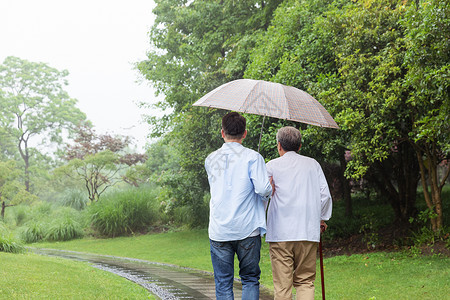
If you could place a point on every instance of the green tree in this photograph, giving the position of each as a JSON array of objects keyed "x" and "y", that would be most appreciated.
[
  {"x": 195, "y": 47},
  {"x": 34, "y": 107},
  {"x": 391, "y": 97},
  {"x": 12, "y": 192},
  {"x": 99, "y": 161},
  {"x": 296, "y": 50},
  {"x": 427, "y": 43}
]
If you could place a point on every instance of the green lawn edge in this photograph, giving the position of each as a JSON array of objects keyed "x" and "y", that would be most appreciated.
[{"x": 378, "y": 275}]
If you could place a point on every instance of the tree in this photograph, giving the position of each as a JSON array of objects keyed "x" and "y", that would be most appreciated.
[
  {"x": 195, "y": 47},
  {"x": 296, "y": 51},
  {"x": 427, "y": 27},
  {"x": 34, "y": 107},
  {"x": 98, "y": 160},
  {"x": 12, "y": 192},
  {"x": 391, "y": 92}
]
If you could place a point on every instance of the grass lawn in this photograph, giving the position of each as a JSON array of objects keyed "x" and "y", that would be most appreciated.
[
  {"x": 370, "y": 276},
  {"x": 31, "y": 276}
]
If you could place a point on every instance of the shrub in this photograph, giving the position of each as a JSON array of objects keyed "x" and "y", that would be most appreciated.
[
  {"x": 65, "y": 225},
  {"x": 8, "y": 243},
  {"x": 124, "y": 212},
  {"x": 74, "y": 198},
  {"x": 32, "y": 232},
  {"x": 21, "y": 213},
  {"x": 64, "y": 229}
]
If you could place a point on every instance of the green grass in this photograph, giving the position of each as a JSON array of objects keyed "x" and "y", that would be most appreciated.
[
  {"x": 371, "y": 276},
  {"x": 30, "y": 276}
]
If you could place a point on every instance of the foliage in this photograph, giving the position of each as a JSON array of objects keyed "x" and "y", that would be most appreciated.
[
  {"x": 125, "y": 212},
  {"x": 12, "y": 191},
  {"x": 64, "y": 229},
  {"x": 195, "y": 47},
  {"x": 8, "y": 242},
  {"x": 381, "y": 69},
  {"x": 32, "y": 232},
  {"x": 427, "y": 33},
  {"x": 34, "y": 107},
  {"x": 74, "y": 198},
  {"x": 98, "y": 160},
  {"x": 44, "y": 221}
]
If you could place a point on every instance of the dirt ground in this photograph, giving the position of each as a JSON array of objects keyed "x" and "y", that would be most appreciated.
[{"x": 388, "y": 239}]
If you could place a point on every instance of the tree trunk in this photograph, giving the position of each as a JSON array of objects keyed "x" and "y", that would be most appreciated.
[
  {"x": 396, "y": 178},
  {"x": 26, "y": 159},
  {"x": 3, "y": 210},
  {"x": 432, "y": 188}
]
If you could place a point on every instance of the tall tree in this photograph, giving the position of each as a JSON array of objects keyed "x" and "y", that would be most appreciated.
[
  {"x": 392, "y": 97},
  {"x": 296, "y": 51},
  {"x": 195, "y": 47},
  {"x": 34, "y": 107},
  {"x": 99, "y": 161},
  {"x": 427, "y": 43}
]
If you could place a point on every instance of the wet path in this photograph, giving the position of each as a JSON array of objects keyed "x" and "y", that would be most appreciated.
[{"x": 164, "y": 281}]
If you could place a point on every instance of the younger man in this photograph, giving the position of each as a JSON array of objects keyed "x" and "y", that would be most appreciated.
[{"x": 238, "y": 183}]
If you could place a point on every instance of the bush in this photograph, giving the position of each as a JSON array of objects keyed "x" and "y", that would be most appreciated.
[
  {"x": 32, "y": 232},
  {"x": 65, "y": 225},
  {"x": 8, "y": 243},
  {"x": 192, "y": 216},
  {"x": 124, "y": 212},
  {"x": 74, "y": 198},
  {"x": 64, "y": 229}
]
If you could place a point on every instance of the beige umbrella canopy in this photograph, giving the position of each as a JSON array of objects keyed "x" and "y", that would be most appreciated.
[{"x": 268, "y": 99}]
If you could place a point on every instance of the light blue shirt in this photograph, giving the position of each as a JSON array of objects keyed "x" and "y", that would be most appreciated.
[{"x": 239, "y": 184}]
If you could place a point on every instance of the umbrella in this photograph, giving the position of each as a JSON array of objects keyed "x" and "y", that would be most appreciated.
[{"x": 268, "y": 99}]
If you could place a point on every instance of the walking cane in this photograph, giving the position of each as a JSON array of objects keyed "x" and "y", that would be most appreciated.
[{"x": 322, "y": 228}]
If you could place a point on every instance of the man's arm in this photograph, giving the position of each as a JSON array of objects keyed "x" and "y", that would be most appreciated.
[
  {"x": 260, "y": 179},
  {"x": 325, "y": 197}
]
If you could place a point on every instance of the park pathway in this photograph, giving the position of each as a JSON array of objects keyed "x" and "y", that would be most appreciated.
[{"x": 167, "y": 282}]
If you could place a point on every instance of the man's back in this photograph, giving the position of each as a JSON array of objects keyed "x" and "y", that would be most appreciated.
[
  {"x": 237, "y": 178},
  {"x": 295, "y": 209}
]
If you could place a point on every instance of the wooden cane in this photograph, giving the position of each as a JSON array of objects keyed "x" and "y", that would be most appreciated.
[{"x": 321, "y": 266}]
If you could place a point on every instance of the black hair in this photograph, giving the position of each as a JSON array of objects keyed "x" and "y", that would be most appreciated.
[{"x": 233, "y": 124}]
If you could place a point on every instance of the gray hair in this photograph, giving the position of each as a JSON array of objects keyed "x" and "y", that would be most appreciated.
[{"x": 290, "y": 138}]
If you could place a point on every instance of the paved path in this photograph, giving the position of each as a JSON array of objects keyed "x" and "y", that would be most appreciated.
[{"x": 165, "y": 281}]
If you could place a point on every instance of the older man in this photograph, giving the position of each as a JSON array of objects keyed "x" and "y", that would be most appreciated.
[
  {"x": 300, "y": 204},
  {"x": 238, "y": 183}
]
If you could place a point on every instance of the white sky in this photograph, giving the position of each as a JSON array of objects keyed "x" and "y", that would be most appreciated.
[{"x": 97, "y": 41}]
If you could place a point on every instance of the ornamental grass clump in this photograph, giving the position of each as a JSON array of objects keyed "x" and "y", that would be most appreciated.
[
  {"x": 64, "y": 229},
  {"x": 74, "y": 198},
  {"x": 8, "y": 242},
  {"x": 32, "y": 232},
  {"x": 124, "y": 212}
]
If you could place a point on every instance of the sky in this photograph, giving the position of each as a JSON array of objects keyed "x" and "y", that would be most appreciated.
[{"x": 97, "y": 41}]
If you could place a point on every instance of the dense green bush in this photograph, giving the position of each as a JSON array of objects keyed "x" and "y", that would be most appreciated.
[
  {"x": 53, "y": 223},
  {"x": 64, "y": 229},
  {"x": 124, "y": 212},
  {"x": 32, "y": 232},
  {"x": 74, "y": 198},
  {"x": 8, "y": 242}
]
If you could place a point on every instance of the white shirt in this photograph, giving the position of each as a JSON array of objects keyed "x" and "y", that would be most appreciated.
[
  {"x": 238, "y": 184},
  {"x": 301, "y": 199}
]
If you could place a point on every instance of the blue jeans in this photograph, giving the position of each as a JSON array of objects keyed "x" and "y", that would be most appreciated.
[{"x": 222, "y": 257}]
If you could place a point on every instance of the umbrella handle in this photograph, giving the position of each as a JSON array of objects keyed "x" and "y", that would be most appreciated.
[{"x": 260, "y": 134}]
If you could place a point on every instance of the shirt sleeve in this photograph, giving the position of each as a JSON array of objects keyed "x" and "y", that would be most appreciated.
[
  {"x": 325, "y": 197},
  {"x": 260, "y": 179}
]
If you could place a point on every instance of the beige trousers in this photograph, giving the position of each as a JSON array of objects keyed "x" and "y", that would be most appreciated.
[{"x": 293, "y": 264}]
